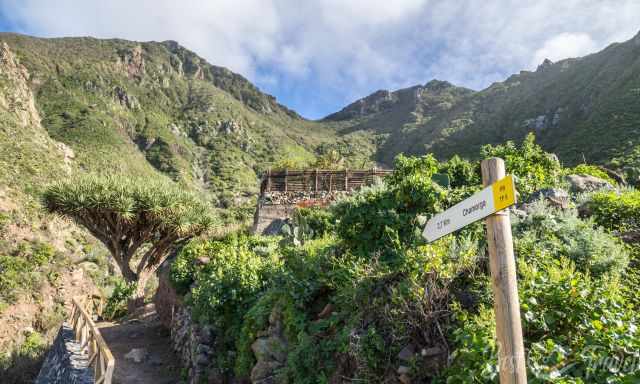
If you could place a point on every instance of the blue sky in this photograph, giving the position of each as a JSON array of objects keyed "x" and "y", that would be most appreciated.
[{"x": 318, "y": 56}]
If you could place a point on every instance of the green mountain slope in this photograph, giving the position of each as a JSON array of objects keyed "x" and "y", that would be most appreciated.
[
  {"x": 579, "y": 108},
  {"x": 158, "y": 110}
]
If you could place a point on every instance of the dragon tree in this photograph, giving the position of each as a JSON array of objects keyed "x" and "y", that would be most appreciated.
[{"x": 141, "y": 222}]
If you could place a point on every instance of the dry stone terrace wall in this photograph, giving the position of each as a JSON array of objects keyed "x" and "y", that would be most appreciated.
[{"x": 198, "y": 345}]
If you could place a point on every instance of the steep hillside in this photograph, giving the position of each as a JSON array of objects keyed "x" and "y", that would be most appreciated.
[
  {"x": 44, "y": 260},
  {"x": 157, "y": 109},
  {"x": 579, "y": 108}
]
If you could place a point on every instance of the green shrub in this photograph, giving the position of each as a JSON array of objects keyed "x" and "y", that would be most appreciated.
[
  {"x": 552, "y": 233},
  {"x": 381, "y": 220},
  {"x": 228, "y": 285},
  {"x": 533, "y": 167},
  {"x": 320, "y": 220},
  {"x": 5, "y": 219},
  {"x": 616, "y": 212},
  {"x": 223, "y": 290},
  {"x": 42, "y": 253},
  {"x": 460, "y": 172},
  {"x": 116, "y": 306},
  {"x": 14, "y": 273},
  {"x": 571, "y": 323},
  {"x": 183, "y": 269}
]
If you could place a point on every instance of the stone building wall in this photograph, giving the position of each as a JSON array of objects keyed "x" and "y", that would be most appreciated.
[{"x": 274, "y": 208}]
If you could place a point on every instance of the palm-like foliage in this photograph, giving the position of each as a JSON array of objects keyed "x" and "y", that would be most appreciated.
[{"x": 131, "y": 215}]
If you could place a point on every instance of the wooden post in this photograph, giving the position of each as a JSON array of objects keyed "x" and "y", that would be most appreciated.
[
  {"x": 286, "y": 179},
  {"x": 505, "y": 288},
  {"x": 346, "y": 179},
  {"x": 269, "y": 180},
  {"x": 316, "y": 183}
]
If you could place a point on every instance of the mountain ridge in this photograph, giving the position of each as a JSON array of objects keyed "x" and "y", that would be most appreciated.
[
  {"x": 567, "y": 104},
  {"x": 159, "y": 109}
]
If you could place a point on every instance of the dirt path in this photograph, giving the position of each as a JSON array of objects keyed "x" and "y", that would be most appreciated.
[{"x": 159, "y": 365}]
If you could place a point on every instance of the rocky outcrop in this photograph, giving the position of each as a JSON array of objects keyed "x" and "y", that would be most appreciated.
[
  {"x": 66, "y": 362},
  {"x": 544, "y": 66},
  {"x": 587, "y": 183},
  {"x": 17, "y": 96},
  {"x": 555, "y": 197},
  {"x": 132, "y": 62},
  {"x": 126, "y": 100}
]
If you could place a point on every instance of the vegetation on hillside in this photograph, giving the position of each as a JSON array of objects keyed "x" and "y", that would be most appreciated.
[
  {"x": 362, "y": 289},
  {"x": 158, "y": 110},
  {"x": 582, "y": 109}
]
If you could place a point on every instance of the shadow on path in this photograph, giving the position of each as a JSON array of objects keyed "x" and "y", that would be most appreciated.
[{"x": 158, "y": 365}]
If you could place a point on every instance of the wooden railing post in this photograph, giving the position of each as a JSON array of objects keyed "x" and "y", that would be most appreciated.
[{"x": 88, "y": 335}]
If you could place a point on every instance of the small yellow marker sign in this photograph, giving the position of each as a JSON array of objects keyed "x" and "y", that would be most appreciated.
[
  {"x": 504, "y": 193},
  {"x": 490, "y": 200}
]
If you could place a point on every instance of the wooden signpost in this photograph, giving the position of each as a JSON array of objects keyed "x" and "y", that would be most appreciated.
[{"x": 499, "y": 193}]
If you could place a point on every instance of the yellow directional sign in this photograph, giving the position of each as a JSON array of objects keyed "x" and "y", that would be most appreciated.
[{"x": 492, "y": 199}]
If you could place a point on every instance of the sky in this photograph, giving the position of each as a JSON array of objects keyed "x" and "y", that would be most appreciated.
[{"x": 318, "y": 56}]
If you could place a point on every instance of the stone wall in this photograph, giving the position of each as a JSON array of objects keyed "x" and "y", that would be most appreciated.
[
  {"x": 275, "y": 207},
  {"x": 199, "y": 346},
  {"x": 66, "y": 363},
  {"x": 194, "y": 344},
  {"x": 269, "y": 218}
]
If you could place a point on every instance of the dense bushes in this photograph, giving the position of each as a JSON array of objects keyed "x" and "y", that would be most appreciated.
[
  {"x": 223, "y": 279},
  {"x": 534, "y": 168},
  {"x": 577, "y": 330},
  {"x": 382, "y": 220},
  {"x": 116, "y": 306},
  {"x": 548, "y": 233},
  {"x": 363, "y": 286},
  {"x": 618, "y": 212},
  {"x": 234, "y": 275}
]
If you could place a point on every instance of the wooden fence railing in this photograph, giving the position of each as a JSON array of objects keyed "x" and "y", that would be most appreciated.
[
  {"x": 88, "y": 335},
  {"x": 316, "y": 180}
]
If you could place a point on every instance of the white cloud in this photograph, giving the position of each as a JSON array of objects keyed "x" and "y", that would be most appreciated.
[
  {"x": 349, "y": 48},
  {"x": 564, "y": 45}
]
